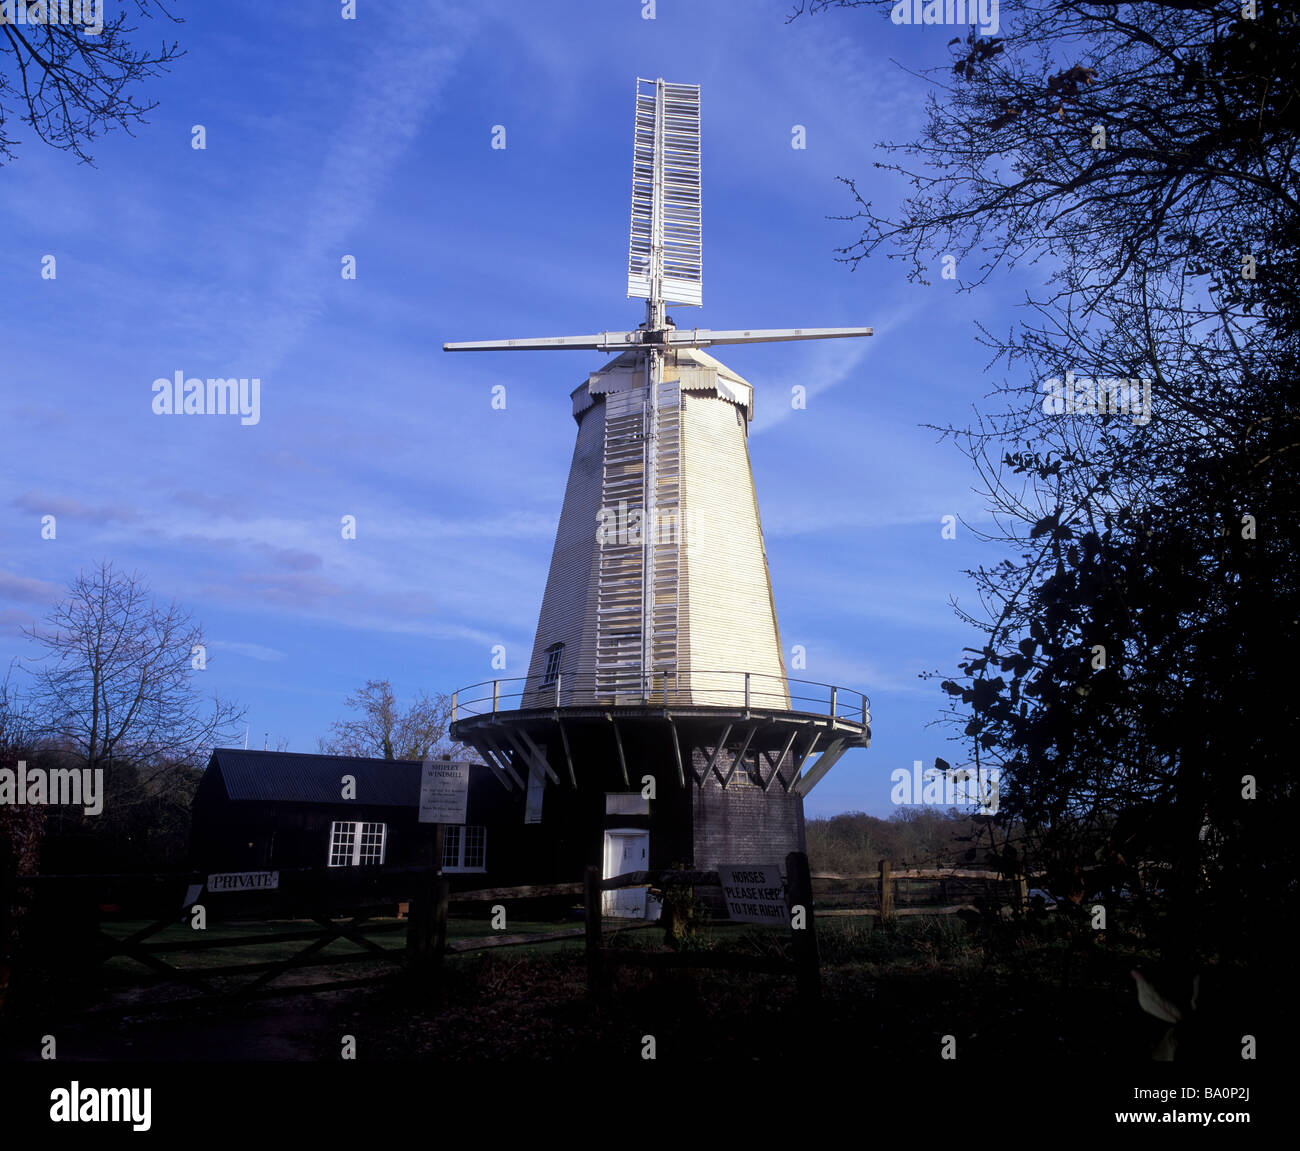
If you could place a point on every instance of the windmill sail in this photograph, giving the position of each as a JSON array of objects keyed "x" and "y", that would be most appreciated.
[{"x": 664, "y": 254}]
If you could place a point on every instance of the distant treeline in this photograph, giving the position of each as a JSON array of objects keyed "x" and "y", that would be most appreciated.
[{"x": 854, "y": 843}]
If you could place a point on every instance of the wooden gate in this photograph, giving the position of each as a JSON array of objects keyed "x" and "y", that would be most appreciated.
[{"x": 68, "y": 921}]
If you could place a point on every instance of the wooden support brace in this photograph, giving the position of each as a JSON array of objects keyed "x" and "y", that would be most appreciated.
[
  {"x": 539, "y": 757},
  {"x": 524, "y": 754},
  {"x": 801, "y": 759},
  {"x": 713, "y": 759},
  {"x": 828, "y": 759},
  {"x": 739, "y": 756},
  {"x": 568, "y": 756},
  {"x": 504, "y": 760},
  {"x": 780, "y": 759},
  {"x": 485, "y": 755},
  {"x": 677, "y": 752},
  {"x": 618, "y": 742}
]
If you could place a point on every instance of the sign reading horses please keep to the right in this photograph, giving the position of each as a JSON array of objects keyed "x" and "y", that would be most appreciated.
[{"x": 754, "y": 893}]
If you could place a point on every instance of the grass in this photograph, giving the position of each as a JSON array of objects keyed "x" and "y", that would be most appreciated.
[
  {"x": 274, "y": 948},
  {"x": 271, "y": 950},
  {"x": 889, "y": 994},
  {"x": 1019, "y": 991}
]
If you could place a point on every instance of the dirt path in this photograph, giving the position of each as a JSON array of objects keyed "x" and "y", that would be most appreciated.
[{"x": 288, "y": 1028}]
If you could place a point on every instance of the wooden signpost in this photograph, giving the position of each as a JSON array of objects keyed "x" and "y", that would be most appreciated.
[
  {"x": 754, "y": 893},
  {"x": 444, "y": 799},
  {"x": 444, "y": 791},
  {"x": 757, "y": 894}
]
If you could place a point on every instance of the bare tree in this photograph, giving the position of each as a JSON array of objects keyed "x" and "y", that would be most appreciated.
[
  {"x": 70, "y": 82},
  {"x": 385, "y": 730},
  {"x": 22, "y": 831},
  {"x": 16, "y": 738},
  {"x": 116, "y": 682}
]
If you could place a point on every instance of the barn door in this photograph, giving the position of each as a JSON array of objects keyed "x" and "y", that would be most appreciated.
[{"x": 625, "y": 851}]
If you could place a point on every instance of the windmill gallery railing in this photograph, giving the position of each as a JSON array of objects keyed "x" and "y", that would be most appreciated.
[{"x": 742, "y": 690}]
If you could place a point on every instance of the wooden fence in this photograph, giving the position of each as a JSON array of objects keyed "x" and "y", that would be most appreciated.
[
  {"x": 74, "y": 912},
  {"x": 356, "y": 905},
  {"x": 602, "y": 961},
  {"x": 891, "y": 893}
]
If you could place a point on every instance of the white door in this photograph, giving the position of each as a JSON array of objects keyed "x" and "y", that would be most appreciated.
[{"x": 625, "y": 851}]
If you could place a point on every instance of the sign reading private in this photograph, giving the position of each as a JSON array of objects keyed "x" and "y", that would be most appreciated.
[
  {"x": 754, "y": 894},
  {"x": 244, "y": 881},
  {"x": 444, "y": 791}
]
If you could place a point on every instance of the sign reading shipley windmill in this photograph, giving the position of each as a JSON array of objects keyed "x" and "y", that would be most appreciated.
[
  {"x": 444, "y": 791},
  {"x": 657, "y": 658}
]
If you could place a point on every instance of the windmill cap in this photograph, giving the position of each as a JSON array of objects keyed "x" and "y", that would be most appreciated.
[{"x": 693, "y": 369}]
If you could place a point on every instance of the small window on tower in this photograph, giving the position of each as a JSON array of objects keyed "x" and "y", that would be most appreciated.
[
  {"x": 742, "y": 776},
  {"x": 553, "y": 656}
]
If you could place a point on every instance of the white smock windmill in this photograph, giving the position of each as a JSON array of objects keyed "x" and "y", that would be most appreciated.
[{"x": 658, "y": 606}]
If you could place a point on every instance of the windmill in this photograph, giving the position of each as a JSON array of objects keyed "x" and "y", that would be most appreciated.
[{"x": 657, "y": 650}]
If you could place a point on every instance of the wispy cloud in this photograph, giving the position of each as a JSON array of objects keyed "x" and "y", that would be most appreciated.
[
  {"x": 68, "y": 507},
  {"x": 249, "y": 650},
  {"x": 406, "y": 65},
  {"x": 25, "y": 589},
  {"x": 825, "y": 365}
]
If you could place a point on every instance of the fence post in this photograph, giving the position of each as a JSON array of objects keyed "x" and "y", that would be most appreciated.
[
  {"x": 10, "y": 917},
  {"x": 591, "y": 903},
  {"x": 426, "y": 930},
  {"x": 1023, "y": 887},
  {"x": 558, "y": 680},
  {"x": 834, "y": 694},
  {"x": 441, "y": 902},
  {"x": 804, "y": 943},
  {"x": 418, "y": 924},
  {"x": 747, "y": 695},
  {"x": 886, "y": 892}
]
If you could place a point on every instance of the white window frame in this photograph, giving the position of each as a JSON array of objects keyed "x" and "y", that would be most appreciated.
[
  {"x": 554, "y": 656},
  {"x": 459, "y": 867},
  {"x": 743, "y": 776},
  {"x": 353, "y": 839}
]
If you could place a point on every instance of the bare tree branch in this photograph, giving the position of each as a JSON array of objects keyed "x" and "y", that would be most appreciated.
[{"x": 74, "y": 83}]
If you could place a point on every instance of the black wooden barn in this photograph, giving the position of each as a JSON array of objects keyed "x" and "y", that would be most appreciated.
[{"x": 266, "y": 810}]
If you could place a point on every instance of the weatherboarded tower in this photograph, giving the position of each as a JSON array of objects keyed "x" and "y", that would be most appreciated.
[{"x": 656, "y": 724}]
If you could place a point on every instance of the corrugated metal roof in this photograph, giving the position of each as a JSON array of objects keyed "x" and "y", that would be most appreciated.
[{"x": 288, "y": 776}]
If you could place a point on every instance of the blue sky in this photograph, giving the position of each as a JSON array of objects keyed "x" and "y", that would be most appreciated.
[{"x": 372, "y": 138}]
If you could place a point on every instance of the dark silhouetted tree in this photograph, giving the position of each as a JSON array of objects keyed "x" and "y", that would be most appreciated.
[{"x": 1135, "y": 642}]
